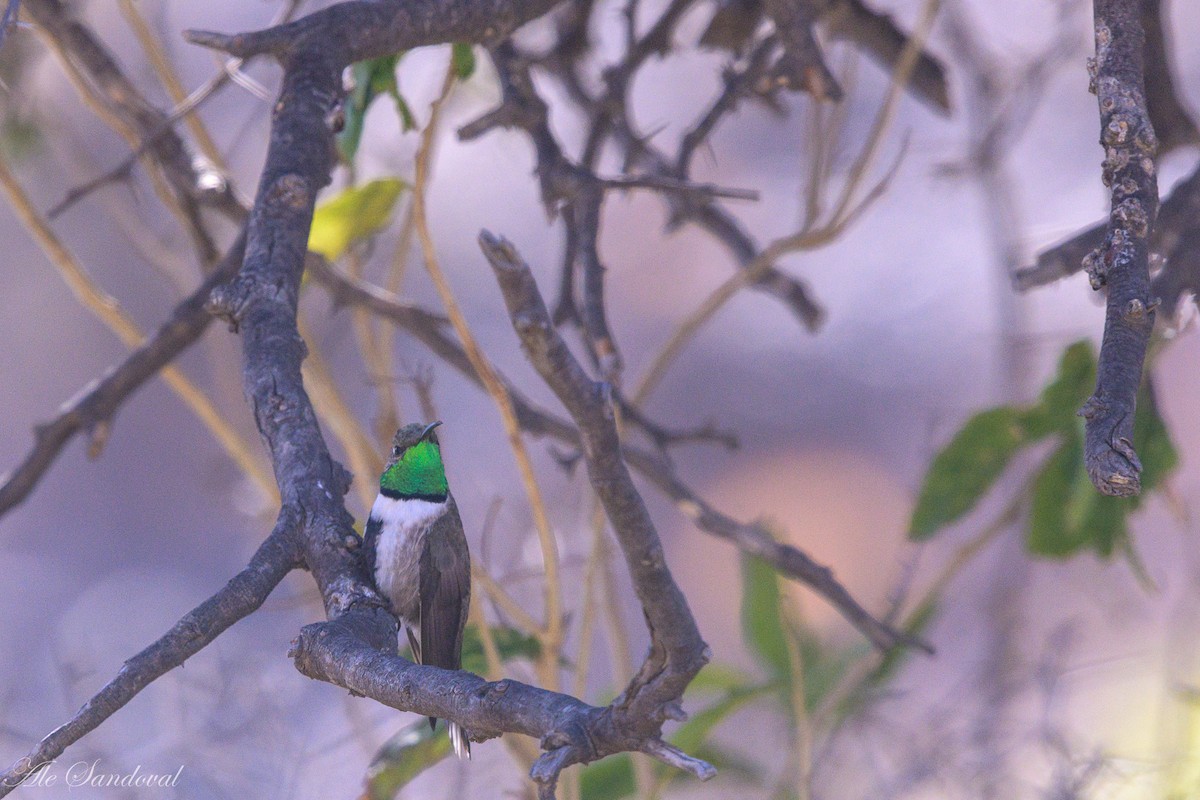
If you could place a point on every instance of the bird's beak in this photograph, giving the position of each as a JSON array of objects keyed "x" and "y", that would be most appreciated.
[{"x": 428, "y": 430}]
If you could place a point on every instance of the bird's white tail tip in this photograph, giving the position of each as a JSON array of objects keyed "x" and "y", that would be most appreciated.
[{"x": 458, "y": 738}]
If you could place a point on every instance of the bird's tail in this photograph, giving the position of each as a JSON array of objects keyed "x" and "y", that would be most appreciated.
[{"x": 458, "y": 738}]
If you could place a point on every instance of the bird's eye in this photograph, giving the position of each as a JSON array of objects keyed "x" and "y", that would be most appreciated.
[{"x": 396, "y": 451}]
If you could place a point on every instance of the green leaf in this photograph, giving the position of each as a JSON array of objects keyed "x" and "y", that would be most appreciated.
[
  {"x": 462, "y": 57},
  {"x": 511, "y": 643},
  {"x": 1060, "y": 401},
  {"x": 1067, "y": 514},
  {"x": 966, "y": 468},
  {"x": 762, "y": 620},
  {"x": 608, "y": 779},
  {"x": 406, "y": 755},
  {"x": 1053, "y": 517},
  {"x": 764, "y": 629},
  {"x": 353, "y": 215},
  {"x": 372, "y": 78}
]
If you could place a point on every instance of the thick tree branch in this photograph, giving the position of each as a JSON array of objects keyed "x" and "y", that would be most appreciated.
[
  {"x": 96, "y": 404},
  {"x": 275, "y": 558},
  {"x": 1122, "y": 262}
]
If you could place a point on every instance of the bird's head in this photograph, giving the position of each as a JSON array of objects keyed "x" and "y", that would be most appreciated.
[{"x": 414, "y": 469}]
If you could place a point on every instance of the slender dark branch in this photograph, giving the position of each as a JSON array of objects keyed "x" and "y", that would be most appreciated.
[
  {"x": 275, "y": 558},
  {"x": 664, "y": 437},
  {"x": 99, "y": 401},
  {"x": 880, "y": 37},
  {"x": 585, "y": 218},
  {"x": 1173, "y": 125},
  {"x": 740, "y": 81},
  {"x": 703, "y": 212},
  {"x": 193, "y": 188},
  {"x": 752, "y": 538},
  {"x": 1181, "y": 274},
  {"x": 662, "y": 183},
  {"x": 677, "y": 652},
  {"x": 1122, "y": 262}
]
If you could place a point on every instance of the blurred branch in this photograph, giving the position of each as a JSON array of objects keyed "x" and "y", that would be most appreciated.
[
  {"x": 102, "y": 84},
  {"x": 846, "y": 210},
  {"x": 880, "y": 37},
  {"x": 245, "y": 592},
  {"x": 98, "y": 401},
  {"x": 106, "y": 308},
  {"x": 1122, "y": 262},
  {"x": 802, "y": 65},
  {"x": 153, "y": 48},
  {"x": 1173, "y": 125},
  {"x": 1176, "y": 219}
]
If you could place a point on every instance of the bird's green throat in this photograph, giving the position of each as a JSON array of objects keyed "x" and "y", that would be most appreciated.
[{"x": 418, "y": 475}]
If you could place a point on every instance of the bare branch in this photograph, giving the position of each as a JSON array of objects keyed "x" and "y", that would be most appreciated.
[
  {"x": 677, "y": 652},
  {"x": 274, "y": 559},
  {"x": 138, "y": 121},
  {"x": 1122, "y": 261},
  {"x": 98, "y": 402},
  {"x": 1173, "y": 125},
  {"x": 879, "y": 36}
]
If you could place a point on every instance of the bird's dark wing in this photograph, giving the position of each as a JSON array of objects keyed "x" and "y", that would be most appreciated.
[
  {"x": 370, "y": 542},
  {"x": 445, "y": 591}
]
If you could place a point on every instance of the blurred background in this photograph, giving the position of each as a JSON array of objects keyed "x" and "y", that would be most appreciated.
[{"x": 1054, "y": 677}]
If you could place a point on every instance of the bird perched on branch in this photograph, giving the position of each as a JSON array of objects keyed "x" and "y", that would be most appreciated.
[{"x": 418, "y": 554}]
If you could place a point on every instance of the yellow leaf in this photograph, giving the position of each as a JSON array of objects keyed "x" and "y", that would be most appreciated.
[{"x": 352, "y": 215}]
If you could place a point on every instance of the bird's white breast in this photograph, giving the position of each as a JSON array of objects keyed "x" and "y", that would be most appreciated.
[
  {"x": 405, "y": 514},
  {"x": 402, "y": 527}
]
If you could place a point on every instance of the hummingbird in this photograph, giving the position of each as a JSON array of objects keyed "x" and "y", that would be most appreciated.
[{"x": 417, "y": 552}]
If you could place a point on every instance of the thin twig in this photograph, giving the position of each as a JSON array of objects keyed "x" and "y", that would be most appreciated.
[
  {"x": 108, "y": 311},
  {"x": 548, "y": 666}
]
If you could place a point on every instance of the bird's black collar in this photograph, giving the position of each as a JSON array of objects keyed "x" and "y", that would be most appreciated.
[{"x": 430, "y": 498}]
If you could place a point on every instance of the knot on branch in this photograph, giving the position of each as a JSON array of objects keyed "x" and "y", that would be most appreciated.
[
  {"x": 1131, "y": 215},
  {"x": 1112, "y": 464},
  {"x": 290, "y": 191},
  {"x": 229, "y": 302}
]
